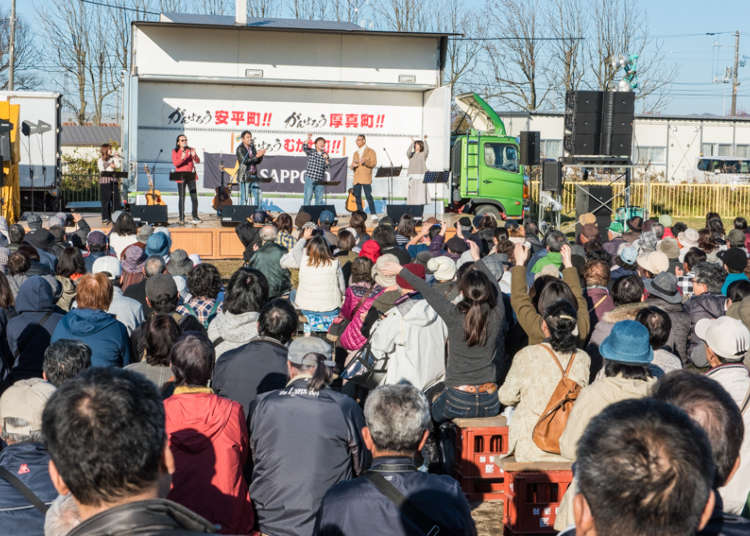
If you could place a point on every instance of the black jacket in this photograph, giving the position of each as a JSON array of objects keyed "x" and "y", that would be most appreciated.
[
  {"x": 678, "y": 336},
  {"x": 246, "y": 170},
  {"x": 30, "y": 463},
  {"x": 723, "y": 524},
  {"x": 302, "y": 444},
  {"x": 699, "y": 307},
  {"x": 254, "y": 368},
  {"x": 152, "y": 516},
  {"x": 356, "y": 507}
]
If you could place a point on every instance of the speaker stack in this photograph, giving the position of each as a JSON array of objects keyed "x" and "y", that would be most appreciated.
[
  {"x": 598, "y": 123},
  {"x": 151, "y": 214},
  {"x": 530, "y": 148}
]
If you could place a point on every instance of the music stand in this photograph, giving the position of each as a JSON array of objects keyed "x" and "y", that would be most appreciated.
[
  {"x": 325, "y": 185},
  {"x": 117, "y": 175},
  {"x": 436, "y": 177},
  {"x": 390, "y": 172}
]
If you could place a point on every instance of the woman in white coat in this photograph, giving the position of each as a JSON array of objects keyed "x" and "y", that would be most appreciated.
[{"x": 417, "y": 154}]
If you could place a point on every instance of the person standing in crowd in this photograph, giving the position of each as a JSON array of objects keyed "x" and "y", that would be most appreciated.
[
  {"x": 92, "y": 425},
  {"x": 161, "y": 333},
  {"x": 184, "y": 159},
  {"x": 398, "y": 423},
  {"x": 318, "y": 162},
  {"x": 735, "y": 262},
  {"x": 109, "y": 187},
  {"x": 248, "y": 158},
  {"x": 304, "y": 438},
  {"x": 659, "y": 325},
  {"x": 364, "y": 160},
  {"x": 663, "y": 293},
  {"x": 417, "y": 154},
  {"x": 266, "y": 259},
  {"x": 25, "y": 457},
  {"x": 598, "y": 300},
  {"x": 208, "y": 438}
]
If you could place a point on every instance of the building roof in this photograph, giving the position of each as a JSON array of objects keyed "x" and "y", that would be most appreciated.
[
  {"x": 276, "y": 24},
  {"x": 88, "y": 135},
  {"x": 670, "y": 117}
]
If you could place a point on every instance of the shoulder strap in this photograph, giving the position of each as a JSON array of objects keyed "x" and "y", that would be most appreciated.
[
  {"x": 598, "y": 303},
  {"x": 23, "y": 489},
  {"x": 554, "y": 356},
  {"x": 190, "y": 309},
  {"x": 218, "y": 341},
  {"x": 425, "y": 523}
]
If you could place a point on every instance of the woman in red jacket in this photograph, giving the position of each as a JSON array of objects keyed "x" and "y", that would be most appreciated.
[
  {"x": 184, "y": 159},
  {"x": 208, "y": 439}
]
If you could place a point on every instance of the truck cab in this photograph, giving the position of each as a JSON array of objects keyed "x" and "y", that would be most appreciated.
[{"x": 486, "y": 174}]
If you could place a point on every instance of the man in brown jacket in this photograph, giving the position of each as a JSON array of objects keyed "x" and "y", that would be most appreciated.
[{"x": 363, "y": 161}]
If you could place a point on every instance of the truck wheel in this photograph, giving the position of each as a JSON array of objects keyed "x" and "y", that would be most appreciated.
[{"x": 481, "y": 210}]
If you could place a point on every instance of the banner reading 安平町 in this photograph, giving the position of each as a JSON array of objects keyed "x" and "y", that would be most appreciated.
[{"x": 286, "y": 173}]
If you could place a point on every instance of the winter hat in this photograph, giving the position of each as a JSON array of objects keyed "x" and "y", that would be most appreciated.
[
  {"x": 133, "y": 258},
  {"x": 654, "y": 262},
  {"x": 727, "y": 337},
  {"x": 378, "y": 277},
  {"x": 416, "y": 269},
  {"x": 371, "y": 250},
  {"x": 734, "y": 258},
  {"x": 664, "y": 286},
  {"x": 96, "y": 238},
  {"x": 157, "y": 245},
  {"x": 628, "y": 343},
  {"x": 443, "y": 268}
]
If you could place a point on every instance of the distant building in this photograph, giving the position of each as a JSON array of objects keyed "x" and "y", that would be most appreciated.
[{"x": 83, "y": 141}]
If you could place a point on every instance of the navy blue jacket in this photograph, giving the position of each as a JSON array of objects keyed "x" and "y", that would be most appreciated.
[
  {"x": 356, "y": 507},
  {"x": 29, "y": 462},
  {"x": 28, "y": 336},
  {"x": 102, "y": 332}
]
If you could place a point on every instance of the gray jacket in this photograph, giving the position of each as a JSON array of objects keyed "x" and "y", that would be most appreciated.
[{"x": 417, "y": 160}]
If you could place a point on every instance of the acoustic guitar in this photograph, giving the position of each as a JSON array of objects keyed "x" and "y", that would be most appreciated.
[
  {"x": 351, "y": 201},
  {"x": 153, "y": 196},
  {"x": 223, "y": 197}
]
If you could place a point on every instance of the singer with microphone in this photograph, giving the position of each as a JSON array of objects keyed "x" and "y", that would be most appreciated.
[
  {"x": 109, "y": 190},
  {"x": 247, "y": 174},
  {"x": 318, "y": 162},
  {"x": 417, "y": 155},
  {"x": 184, "y": 159}
]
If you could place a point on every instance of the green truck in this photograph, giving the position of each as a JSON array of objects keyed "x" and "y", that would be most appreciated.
[{"x": 486, "y": 174}]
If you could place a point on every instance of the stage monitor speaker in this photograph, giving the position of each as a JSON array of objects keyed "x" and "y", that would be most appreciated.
[
  {"x": 315, "y": 210},
  {"x": 395, "y": 212},
  {"x": 530, "y": 147},
  {"x": 151, "y": 214},
  {"x": 235, "y": 214},
  {"x": 596, "y": 199},
  {"x": 552, "y": 177}
]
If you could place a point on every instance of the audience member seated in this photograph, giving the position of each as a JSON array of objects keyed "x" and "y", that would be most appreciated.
[
  {"x": 96, "y": 244},
  {"x": 160, "y": 334},
  {"x": 132, "y": 261},
  {"x": 123, "y": 233},
  {"x": 65, "y": 359},
  {"x": 126, "y": 310},
  {"x": 707, "y": 302},
  {"x": 70, "y": 267},
  {"x": 266, "y": 259},
  {"x": 204, "y": 285},
  {"x": 151, "y": 267}
]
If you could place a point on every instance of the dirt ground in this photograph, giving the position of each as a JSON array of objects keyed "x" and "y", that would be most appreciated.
[{"x": 488, "y": 518}]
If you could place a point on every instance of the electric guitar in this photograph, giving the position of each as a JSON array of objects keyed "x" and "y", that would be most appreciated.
[{"x": 153, "y": 196}]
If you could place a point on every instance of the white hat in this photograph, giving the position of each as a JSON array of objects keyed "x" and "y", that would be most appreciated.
[
  {"x": 443, "y": 268},
  {"x": 726, "y": 336},
  {"x": 654, "y": 262},
  {"x": 688, "y": 238},
  {"x": 108, "y": 264}
]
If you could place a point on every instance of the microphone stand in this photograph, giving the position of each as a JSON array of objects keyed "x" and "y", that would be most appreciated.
[{"x": 390, "y": 177}]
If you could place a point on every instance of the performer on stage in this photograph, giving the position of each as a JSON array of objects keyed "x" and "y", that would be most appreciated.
[
  {"x": 109, "y": 190},
  {"x": 247, "y": 174},
  {"x": 417, "y": 155},
  {"x": 184, "y": 159},
  {"x": 317, "y": 163},
  {"x": 363, "y": 160}
]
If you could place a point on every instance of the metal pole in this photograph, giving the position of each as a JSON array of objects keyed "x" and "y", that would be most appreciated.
[
  {"x": 735, "y": 82},
  {"x": 12, "y": 46}
]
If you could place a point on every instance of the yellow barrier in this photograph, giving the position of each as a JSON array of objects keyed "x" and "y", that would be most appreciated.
[{"x": 678, "y": 200}]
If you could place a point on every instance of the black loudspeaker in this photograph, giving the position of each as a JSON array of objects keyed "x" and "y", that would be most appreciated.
[
  {"x": 236, "y": 213},
  {"x": 618, "y": 111},
  {"x": 598, "y": 200},
  {"x": 598, "y": 123},
  {"x": 552, "y": 177},
  {"x": 315, "y": 210},
  {"x": 530, "y": 147},
  {"x": 395, "y": 212},
  {"x": 151, "y": 214}
]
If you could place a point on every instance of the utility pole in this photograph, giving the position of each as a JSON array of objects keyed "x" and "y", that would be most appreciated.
[
  {"x": 12, "y": 45},
  {"x": 735, "y": 81}
]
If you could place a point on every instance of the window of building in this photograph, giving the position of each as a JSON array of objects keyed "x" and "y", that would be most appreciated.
[
  {"x": 653, "y": 155},
  {"x": 551, "y": 148},
  {"x": 720, "y": 149}
]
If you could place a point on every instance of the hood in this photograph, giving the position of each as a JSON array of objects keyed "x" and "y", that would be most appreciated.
[
  {"x": 234, "y": 328},
  {"x": 617, "y": 388},
  {"x": 196, "y": 419},
  {"x": 481, "y": 116},
  {"x": 35, "y": 294},
  {"x": 417, "y": 313},
  {"x": 623, "y": 312},
  {"x": 83, "y": 322},
  {"x": 664, "y": 305},
  {"x": 710, "y": 304}
]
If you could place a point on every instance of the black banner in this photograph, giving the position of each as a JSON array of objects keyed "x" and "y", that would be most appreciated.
[{"x": 286, "y": 172}]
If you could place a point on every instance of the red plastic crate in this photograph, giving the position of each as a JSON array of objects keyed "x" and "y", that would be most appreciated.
[
  {"x": 482, "y": 489},
  {"x": 480, "y": 446},
  {"x": 533, "y": 492}
]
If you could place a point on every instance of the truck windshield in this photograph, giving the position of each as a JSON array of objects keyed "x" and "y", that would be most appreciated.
[{"x": 501, "y": 156}]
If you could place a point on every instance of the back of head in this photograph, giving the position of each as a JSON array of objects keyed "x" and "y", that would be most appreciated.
[
  {"x": 361, "y": 270},
  {"x": 554, "y": 241},
  {"x": 406, "y": 225},
  {"x": 69, "y": 262},
  {"x": 397, "y": 417},
  {"x": 657, "y": 323},
  {"x": 479, "y": 297},
  {"x": 278, "y": 320},
  {"x": 346, "y": 240},
  {"x": 713, "y": 408},
  {"x": 161, "y": 334},
  {"x": 65, "y": 359},
  {"x": 16, "y": 233},
  {"x": 384, "y": 236},
  {"x": 284, "y": 222},
  {"x": 552, "y": 292},
  {"x": 318, "y": 251},
  {"x": 738, "y": 290},
  {"x": 94, "y": 423},
  {"x": 192, "y": 360},
  {"x": 246, "y": 291},
  {"x": 560, "y": 318},
  {"x": 710, "y": 274},
  {"x": 596, "y": 273},
  {"x": 154, "y": 265},
  {"x": 204, "y": 281},
  {"x": 644, "y": 467},
  {"x": 247, "y": 233},
  {"x": 161, "y": 292},
  {"x": 268, "y": 233},
  {"x": 694, "y": 256},
  {"x": 125, "y": 225},
  {"x": 628, "y": 289},
  {"x": 94, "y": 291},
  {"x": 18, "y": 263}
]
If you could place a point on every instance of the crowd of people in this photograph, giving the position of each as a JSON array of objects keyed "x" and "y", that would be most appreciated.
[{"x": 314, "y": 390}]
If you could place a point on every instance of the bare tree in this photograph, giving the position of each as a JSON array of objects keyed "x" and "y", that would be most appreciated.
[
  {"x": 25, "y": 63},
  {"x": 515, "y": 66},
  {"x": 262, "y": 8},
  {"x": 404, "y": 15},
  {"x": 565, "y": 22}
]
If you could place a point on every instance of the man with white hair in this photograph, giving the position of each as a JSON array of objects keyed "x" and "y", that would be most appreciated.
[
  {"x": 266, "y": 259},
  {"x": 407, "y": 501}
]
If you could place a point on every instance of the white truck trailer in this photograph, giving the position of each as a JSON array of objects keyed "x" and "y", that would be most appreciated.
[{"x": 212, "y": 77}]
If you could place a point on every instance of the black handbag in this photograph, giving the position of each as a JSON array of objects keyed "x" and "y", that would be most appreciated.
[{"x": 365, "y": 369}]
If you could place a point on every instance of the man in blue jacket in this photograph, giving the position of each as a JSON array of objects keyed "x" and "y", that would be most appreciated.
[
  {"x": 398, "y": 419},
  {"x": 25, "y": 458}
]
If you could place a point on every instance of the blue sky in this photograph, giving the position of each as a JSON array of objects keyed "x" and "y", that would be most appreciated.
[{"x": 696, "y": 57}]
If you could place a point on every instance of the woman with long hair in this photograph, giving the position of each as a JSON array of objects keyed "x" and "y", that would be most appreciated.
[
  {"x": 184, "y": 159},
  {"x": 123, "y": 233},
  {"x": 534, "y": 374},
  {"x": 358, "y": 222},
  {"x": 321, "y": 282},
  {"x": 475, "y": 331},
  {"x": 406, "y": 230},
  {"x": 417, "y": 154},
  {"x": 161, "y": 334},
  {"x": 284, "y": 225},
  {"x": 70, "y": 267}
]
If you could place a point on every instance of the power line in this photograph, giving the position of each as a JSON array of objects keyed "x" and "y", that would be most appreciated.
[{"x": 123, "y": 8}]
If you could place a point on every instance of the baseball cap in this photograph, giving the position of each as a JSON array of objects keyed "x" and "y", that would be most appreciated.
[
  {"x": 326, "y": 217},
  {"x": 587, "y": 218},
  {"x": 300, "y": 347},
  {"x": 107, "y": 264},
  {"x": 25, "y": 400},
  {"x": 629, "y": 254},
  {"x": 734, "y": 258},
  {"x": 416, "y": 269},
  {"x": 160, "y": 285},
  {"x": 96, "y": 238},
  {"x": 727, "y": 337}
]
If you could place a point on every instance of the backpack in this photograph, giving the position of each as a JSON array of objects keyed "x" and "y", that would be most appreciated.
[
  {"x": 352, "y": 338},
  {"x": 551, "y": 423}
]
